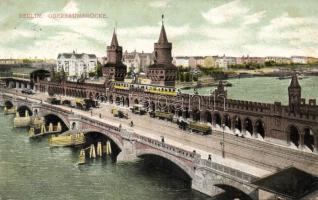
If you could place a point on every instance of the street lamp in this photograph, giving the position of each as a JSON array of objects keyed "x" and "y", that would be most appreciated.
[{"x": 222, "y": 143}]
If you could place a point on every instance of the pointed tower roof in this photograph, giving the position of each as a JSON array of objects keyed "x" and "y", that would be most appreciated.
[
  {"x": 114, "y": 39},
  {"x": 163, "y": 35},
  {"x": 294, "y": 82}
]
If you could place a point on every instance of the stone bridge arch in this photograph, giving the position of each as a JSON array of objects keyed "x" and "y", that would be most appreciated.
[
  {"x": 185, "y": 166},
  {"x": 8, "y": 104},
  {"x": 213, "y": 182},
  {"x": 64, "y": 119},
  {"x": 108, "y": 135},
  {"x": 93, "y": 136},
  {"x": 23, "y": 108}
]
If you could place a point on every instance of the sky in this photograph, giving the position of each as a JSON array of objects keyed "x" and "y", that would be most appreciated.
[{"x": 200, "y": 27}]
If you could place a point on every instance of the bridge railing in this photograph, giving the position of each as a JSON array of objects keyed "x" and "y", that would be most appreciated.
[
  {"x": 227, "y": 170},
  {"x": 167, "y": 148},
  {"x": 100, "y": 124},
  {"x": 57, "y": 109}
]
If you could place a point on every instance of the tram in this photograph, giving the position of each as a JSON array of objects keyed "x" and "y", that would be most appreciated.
[{"x": 154, "y": 89}]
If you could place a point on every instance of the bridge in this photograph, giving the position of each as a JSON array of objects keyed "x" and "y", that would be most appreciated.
[
  {"x": 206, "y": 176},
  {"x": 245, "y": 161}
]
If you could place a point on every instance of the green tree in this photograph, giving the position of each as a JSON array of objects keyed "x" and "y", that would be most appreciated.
[
  {"x": 181, "y": 77},
  {"x": 92, "y": 74},
  {"x": 187, "y": 77},
  {"x": 99, "y": 70},
  {"x": 62, "y": 75},
  {"x": 195, "y": 77}
]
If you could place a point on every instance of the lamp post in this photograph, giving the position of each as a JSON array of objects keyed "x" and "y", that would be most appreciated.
[{"x": 222, "y": 143}]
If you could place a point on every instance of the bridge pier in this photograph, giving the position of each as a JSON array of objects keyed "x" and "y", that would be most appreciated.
[
  {"x": 128, "y": 151},
  {"x": 211, "y": 183}
]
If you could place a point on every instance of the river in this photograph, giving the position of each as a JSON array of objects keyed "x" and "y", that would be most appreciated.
[
  {"x": 265, "y": 89},
  {"x": 31, "y": 170}
]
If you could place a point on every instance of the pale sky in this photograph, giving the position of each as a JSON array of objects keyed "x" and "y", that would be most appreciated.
[{"x": 195, "y": 27}]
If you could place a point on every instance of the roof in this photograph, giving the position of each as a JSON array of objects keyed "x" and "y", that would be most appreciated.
[
  {"x": 290, "y": 182},
  {"x": 163, "y": 35},
  {"x": 77, "y": 55},
  {"x": 114, "y": 41}
]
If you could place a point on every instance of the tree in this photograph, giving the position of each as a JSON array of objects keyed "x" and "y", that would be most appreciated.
[
  {"x": 92, "y": 74},
  {"x": 129, "y": 73},
  {"x": 62, "y": 75},
  {"x": 54, "y": 78},
  {"x": 181, "y": 77},
  {"x": 187, "y": 77},
  {"x": 99, "y": 70},
  {"x": 195, "y": 77}
]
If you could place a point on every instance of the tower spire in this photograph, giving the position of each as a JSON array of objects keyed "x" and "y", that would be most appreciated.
[
  {"x": 114, "y": 41},
  {"x": 162, "y": 19},
  {"x": 163, "y": 35}
]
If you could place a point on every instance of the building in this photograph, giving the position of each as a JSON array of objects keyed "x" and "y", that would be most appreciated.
[
  {"x": 137, "y": 61},
  {"x": 181, "y": 61},
  {"x": 312, "y": 60},
  {"x": 210, "y": 61},
  {"x": 76, "y": 65},
  {"x": 162, "y": 72},
  {"x": 10, "y": 61},
  {"x": 299, "y": 59},
  {"x": 250, "y": 60},
  {"x": 224, "y": 62},
  {"x": 102, "y": 60},
  {"x": 278, "y": 60},
  {"x": 114, "y": 69},
  {"x": 196, "y": 61}
]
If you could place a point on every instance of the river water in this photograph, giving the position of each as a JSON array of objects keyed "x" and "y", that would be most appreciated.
[
  {"x": 265, "y": 89},
  {"x": 31, "y": 170}
]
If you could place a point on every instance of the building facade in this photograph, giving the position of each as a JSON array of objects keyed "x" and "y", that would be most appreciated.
[
  {"x": 181, "y": 61},
  {"x": 196, "y": 61},
  {"x": 76, "y": 65},
  {"x": 136, "y": 61},
  {"x": 299, "y": 59},
  {"x": 250, "y": 60},
  {"x": 278, "y": 60},
  {"x": 224, "y": 62}
]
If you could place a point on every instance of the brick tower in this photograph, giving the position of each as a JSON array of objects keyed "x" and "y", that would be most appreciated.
[
  {"x": 114, "y": 69},
  {"x": 294, "y": 94},
  {"x": 162, "y": 72}
]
